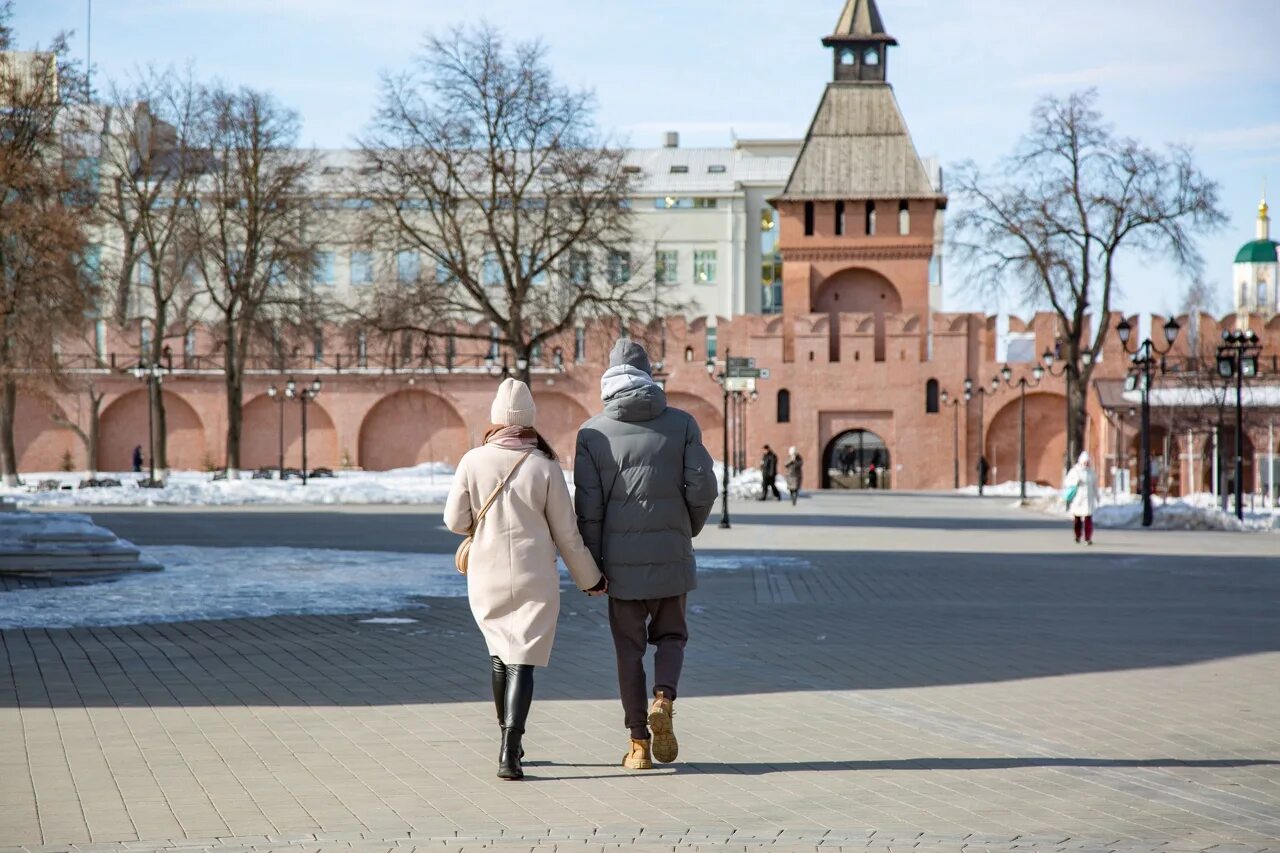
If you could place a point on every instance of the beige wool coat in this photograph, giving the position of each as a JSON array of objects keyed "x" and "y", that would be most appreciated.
[{"x": 512, "y": 581}]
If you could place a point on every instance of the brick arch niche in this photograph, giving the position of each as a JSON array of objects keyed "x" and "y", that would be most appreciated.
[
  {"x": 1046, "y": 439},
  {"x": 857, "y": 290},
  {"x": 559, "y": 418},
  {"x": 41, "y": 444},
  {"x": 124, "y": 426},
  {"x": 409, "y": 428},
  {"x": 860, "y": 291},
  {"x": 260, "y": 435}
]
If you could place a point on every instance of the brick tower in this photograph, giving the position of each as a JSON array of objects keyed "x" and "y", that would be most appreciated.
[{"x": 857, "y": 216}]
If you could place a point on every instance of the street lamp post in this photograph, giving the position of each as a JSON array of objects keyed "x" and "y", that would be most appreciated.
[
  {"x": 1238, "y": 357},
  {"x": 274, "y": 393},
  {"x": 970, "y": 391},
  {"x": 153, "y": 375},
  {"x": 1143, "y": 358},
  {"x": 1006, "y": 376},
  {"x": 304, "y": 396},
  {"x": 954, "y": 403},
  {"x": 722, "y": 378}
]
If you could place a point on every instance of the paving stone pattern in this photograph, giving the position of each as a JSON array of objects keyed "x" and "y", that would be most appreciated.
[{"x": 938, "y": 674}]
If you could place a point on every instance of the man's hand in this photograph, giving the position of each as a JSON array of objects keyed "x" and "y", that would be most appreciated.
[{"x": 599, "y": 589}]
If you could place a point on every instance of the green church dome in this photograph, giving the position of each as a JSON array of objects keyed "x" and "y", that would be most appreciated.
[{"x": 1257, "y": 252}]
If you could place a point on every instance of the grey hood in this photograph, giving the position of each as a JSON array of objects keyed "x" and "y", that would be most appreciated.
[{"x": 636, "y": 404}]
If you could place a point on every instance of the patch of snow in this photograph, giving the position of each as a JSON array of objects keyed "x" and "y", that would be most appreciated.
[
  {"x": 746, "y": 484},
  {"x": 428, "y": 483},
  {"x": 1009, "y": 489},
  {"x": 1193, "y": 512},
  {"x": 387, "y": 620},
  {"x": 227, "y": 583}
]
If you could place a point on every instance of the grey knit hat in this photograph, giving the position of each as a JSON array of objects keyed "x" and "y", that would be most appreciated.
[{"x": 627, "y": 351}]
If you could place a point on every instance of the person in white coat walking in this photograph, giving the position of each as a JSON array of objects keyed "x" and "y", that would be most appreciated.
[
  {"x": 512, "y": 582},
  {"x": 1080, "y": 490}
]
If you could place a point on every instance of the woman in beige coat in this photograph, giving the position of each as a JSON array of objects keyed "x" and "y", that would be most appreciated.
[{"x": 512, "y": 581}]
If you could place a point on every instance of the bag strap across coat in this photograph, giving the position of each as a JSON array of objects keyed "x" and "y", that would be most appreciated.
[{"x": 494, "y": 496}]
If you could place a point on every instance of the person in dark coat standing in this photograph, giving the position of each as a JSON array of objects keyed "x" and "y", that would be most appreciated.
[
  {"x": 769, "y": 474},
  {"x": 645, "y": 486},
  {"x": 795, "y": 474},
  {"x": 984, "y": 470},
  {"x": 137, "y": 459}
]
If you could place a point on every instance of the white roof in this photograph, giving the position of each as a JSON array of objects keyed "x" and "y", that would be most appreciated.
[
  {"x": 1252, "y": 397},
  {"x": 741, "y": 165}
]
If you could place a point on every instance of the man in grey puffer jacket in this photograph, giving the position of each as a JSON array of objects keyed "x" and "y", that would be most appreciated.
[{"x": 644, "y": 488}]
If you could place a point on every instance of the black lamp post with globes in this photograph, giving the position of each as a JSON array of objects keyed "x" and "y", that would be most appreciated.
[
  {"x": 1238, "y": 358},
  {"x": 1023, "y": 383},
  {"x": 1143, "y": 359},
  {"x": 304, "y": 396}
]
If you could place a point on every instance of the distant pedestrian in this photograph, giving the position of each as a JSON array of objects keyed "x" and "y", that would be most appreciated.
[
  {"x": 846, "y": 460},
  {"x": 984, "y": 470},
  {"x": 510, "y": 495},
  {"x": 795, "y": 474},
  {"x": 137, "y": 459},
  {"x": 1081, "y": 494},
  {"x": 769, "y": 474},
  {"x": 873, "y": 476}
]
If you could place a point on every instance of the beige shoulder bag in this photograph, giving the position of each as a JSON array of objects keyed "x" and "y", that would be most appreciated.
[{"x": 463, "y": 554}]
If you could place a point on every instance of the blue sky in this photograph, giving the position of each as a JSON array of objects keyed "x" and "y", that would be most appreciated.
[{"x": 966, "y": 74}]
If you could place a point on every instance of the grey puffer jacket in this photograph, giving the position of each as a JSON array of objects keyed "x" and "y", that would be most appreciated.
[{"x": 644, "y": 487}]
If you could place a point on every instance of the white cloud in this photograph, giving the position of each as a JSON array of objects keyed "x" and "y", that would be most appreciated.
[{"x": 1259, "y": 137}]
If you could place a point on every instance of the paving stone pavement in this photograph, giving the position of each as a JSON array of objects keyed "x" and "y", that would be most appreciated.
[{"x": 919, "y": 672}]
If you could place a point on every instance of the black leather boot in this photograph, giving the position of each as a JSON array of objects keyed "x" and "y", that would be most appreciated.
[
  {"x": 518, "y": 699},
  {"x": 498, "y": 681}
]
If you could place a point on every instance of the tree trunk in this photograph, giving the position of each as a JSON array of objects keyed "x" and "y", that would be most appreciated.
[
  {"x": 160, "y": 448},
  {"x": 8, "y": 449},
  {"x": 1077, "y": 413},
  {"x": 91, "y": 450},
  {"x": 235, "y": 406},
  {"x": 160, "y": 452}
]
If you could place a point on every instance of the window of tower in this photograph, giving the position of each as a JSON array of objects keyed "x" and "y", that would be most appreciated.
[
  {"x": 871, "y": 57},
  {"x": 871, "y": 218},
  {"x": 847, "y": 57},
  {"x": 1262, "y": 294}
]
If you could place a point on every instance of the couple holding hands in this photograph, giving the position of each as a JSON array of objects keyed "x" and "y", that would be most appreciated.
[{"x": 644, "y": 487}]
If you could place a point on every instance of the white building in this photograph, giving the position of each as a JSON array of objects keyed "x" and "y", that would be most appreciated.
[{"x": 1256, "y": 273}]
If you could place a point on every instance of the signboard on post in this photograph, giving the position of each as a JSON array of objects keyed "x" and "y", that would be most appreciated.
[{"x": 745, "y": 384}]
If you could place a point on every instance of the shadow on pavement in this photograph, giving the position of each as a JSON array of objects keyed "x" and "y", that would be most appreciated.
[
  {"x": 851, "y": 622},
  {"x": 1003, "y": 763}
]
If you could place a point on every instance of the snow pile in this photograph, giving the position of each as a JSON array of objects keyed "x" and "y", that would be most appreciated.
[
  {"x": 426, "y": 483},
  {"x": 1009, "y": 489},
  {"x": 746, "y": 484},
  {"x": 1193, "y": 512},
  {"x": 229, "y": 583}
]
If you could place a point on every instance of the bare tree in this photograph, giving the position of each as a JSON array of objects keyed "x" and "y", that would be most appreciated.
[
  {"x": 1200, "y": 296},
  {"x": 151, "y": 170},
  {"x": 255, "y": 239},
  {"x": 1060, "y": 213},
  {"x": 88, "y": 428},
  {"x": 46, "y": 176},
  {"x": 491, "y": 171}
]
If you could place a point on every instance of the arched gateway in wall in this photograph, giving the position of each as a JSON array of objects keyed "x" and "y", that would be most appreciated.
[
  {"x": 411, "y": 427},
  {"x": 856, "y": 459}
]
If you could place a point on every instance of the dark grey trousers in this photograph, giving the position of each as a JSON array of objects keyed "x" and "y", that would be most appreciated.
[{"x": 659, "y": 622}]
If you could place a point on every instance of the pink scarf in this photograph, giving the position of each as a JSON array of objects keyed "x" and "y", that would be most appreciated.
[{"x": 515, "y": 438}]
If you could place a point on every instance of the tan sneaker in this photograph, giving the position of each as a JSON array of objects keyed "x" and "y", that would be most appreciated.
[
  {"x": 638, "y": 758},
  {"x": 665, "y": 746}
]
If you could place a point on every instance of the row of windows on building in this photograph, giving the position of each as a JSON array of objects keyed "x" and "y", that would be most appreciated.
[
  {"x": 840, "y": 223},
  {"x": 408, "y": 268},
  {"x": 783, "y": 409}
]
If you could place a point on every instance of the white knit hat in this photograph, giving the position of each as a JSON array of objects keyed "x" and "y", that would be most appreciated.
[{"x": 513, "y": 406}]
